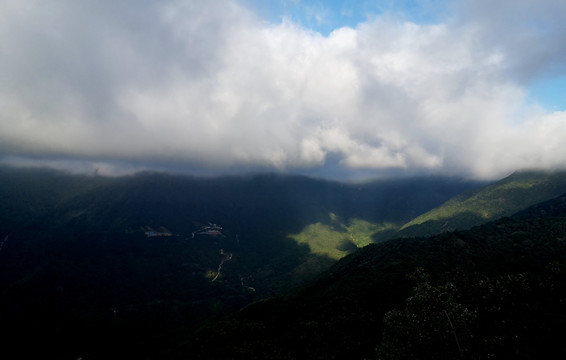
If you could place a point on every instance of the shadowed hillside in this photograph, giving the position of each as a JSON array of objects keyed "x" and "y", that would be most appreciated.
[
  {"x": 495, "y": 291},
  {"x": 80, "y": 277}
]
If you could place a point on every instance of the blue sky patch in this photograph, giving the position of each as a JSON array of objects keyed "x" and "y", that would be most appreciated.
[{"x": 549, "y": 93}]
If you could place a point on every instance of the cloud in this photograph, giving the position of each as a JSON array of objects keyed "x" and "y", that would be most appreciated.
[
  {"x": 210, "y": 84},
  {"x": 528, "y": 32}
]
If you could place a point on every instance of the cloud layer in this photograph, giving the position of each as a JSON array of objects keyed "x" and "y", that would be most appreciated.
[{"x": 201, "y": 83}]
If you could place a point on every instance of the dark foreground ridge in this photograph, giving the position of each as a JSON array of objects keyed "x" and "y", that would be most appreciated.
[{"x": 495, "y": 291}]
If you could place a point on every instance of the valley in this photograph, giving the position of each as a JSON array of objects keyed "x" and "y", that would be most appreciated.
[
  {"x": 495, "y": 291},
  {"x": 137, "y": 266}
]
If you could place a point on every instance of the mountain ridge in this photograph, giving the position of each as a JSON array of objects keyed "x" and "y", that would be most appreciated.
[
  {"x": 501, "y": 198},
  {"x": 77, "y": 268},
  {"x": 497, "y": 287},
  {"x": 80, "y": 277}
]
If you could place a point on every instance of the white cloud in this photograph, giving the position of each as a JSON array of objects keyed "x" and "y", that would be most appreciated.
[{"x": 208, "y": 83}]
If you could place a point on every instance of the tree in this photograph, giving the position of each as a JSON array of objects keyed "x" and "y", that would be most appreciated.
[{"x": 433, "y": 324}]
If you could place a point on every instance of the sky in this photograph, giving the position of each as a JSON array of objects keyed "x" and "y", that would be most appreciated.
[{"x": 341, "y": 89}]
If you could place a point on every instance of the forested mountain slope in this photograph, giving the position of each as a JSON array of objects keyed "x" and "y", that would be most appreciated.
[
  {"x": 495, "y": 291},
  {"x": 79, "y": 277},
  {"x": 502, "y": 198}
]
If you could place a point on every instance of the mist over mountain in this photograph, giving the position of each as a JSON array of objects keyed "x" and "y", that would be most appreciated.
[
  {"x": 96, "y": 203},
  {"x": 153, "y": 265},
  {"x": 81, "y": 275},
  {"x": 240, "y": 179}
]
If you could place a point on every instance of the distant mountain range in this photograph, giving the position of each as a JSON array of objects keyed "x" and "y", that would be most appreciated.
[
  {"x": 80, "y": 276},
  {"x": 268, "y": 213},
  {"x": 82, "y": 273}
]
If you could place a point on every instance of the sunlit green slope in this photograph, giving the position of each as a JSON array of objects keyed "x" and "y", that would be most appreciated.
[
  {"x": 503, "y": 198},
  {"x": 494, "y": 291},
  {"x": 80, "y": 278},
  {"x": 338, "y": 238}
]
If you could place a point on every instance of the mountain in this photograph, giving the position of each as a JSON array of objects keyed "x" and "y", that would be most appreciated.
[
  {"x": 502, "y": 198},
  {"x": 494, "y": 291},
  {"x": 82, "y": 274}
]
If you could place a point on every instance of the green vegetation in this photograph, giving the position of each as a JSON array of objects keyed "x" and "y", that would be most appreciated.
[
  {"x": 364, "y": 233},
  {"x": 495, "y": 291},
  {"x": 491, "y": 202},
  {"x": 79, "y": 277},
  {"x": 337, "y": 239}
]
